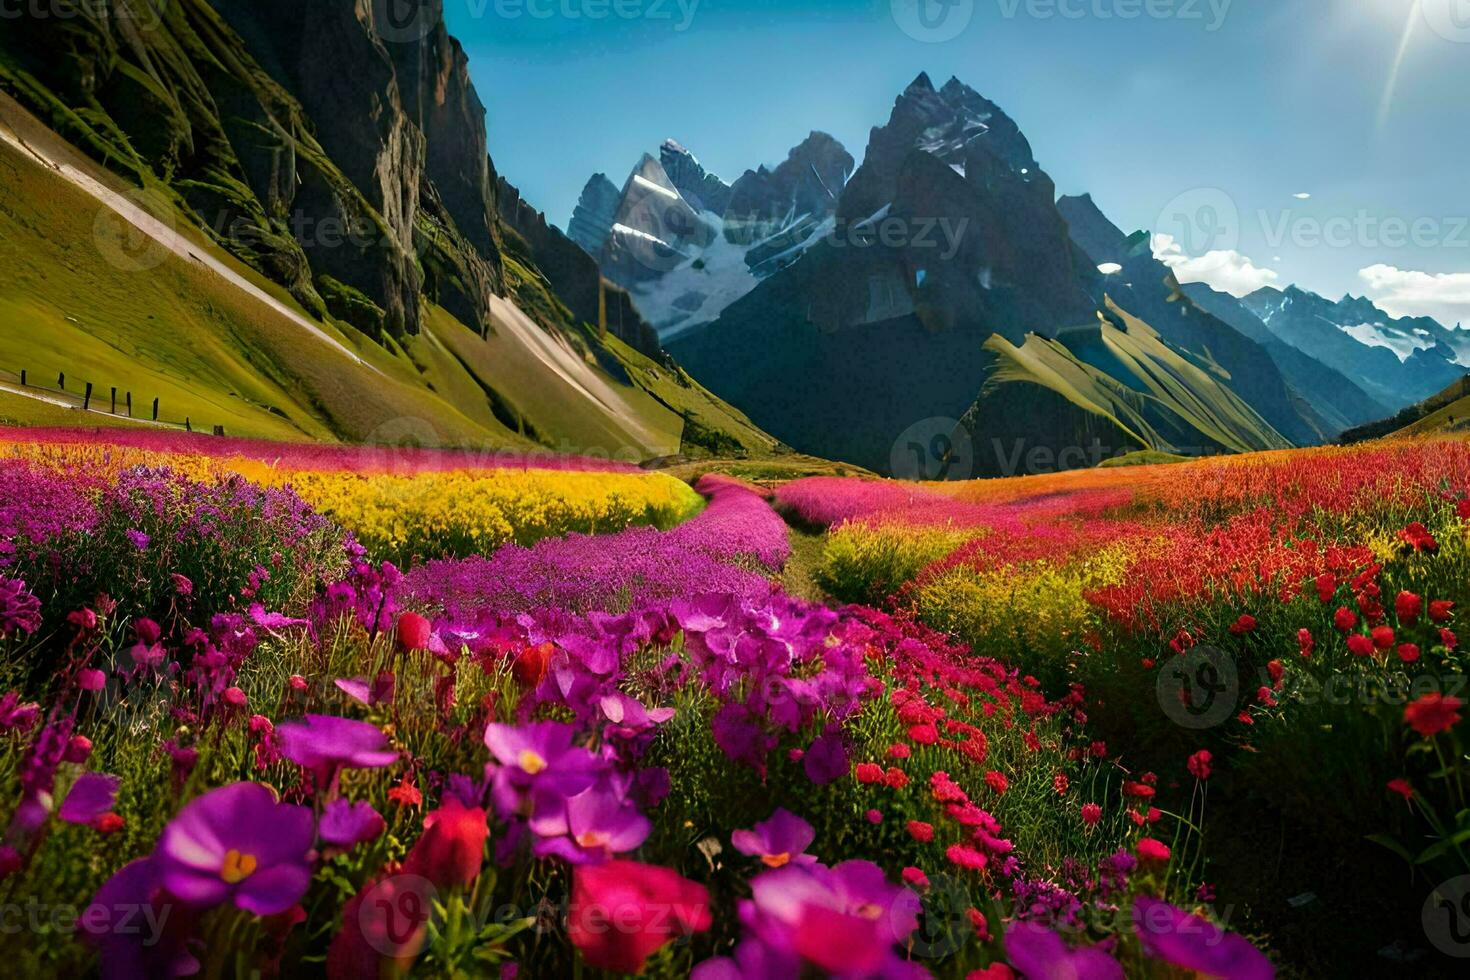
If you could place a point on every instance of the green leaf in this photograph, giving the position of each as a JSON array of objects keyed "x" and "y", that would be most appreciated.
[{"x": 1385, "y": 840}]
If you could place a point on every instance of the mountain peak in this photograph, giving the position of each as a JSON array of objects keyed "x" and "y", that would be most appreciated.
[{"x": 922, "y": 83}]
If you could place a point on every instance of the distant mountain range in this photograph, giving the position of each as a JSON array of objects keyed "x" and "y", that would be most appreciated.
[
  {"x": 323, "y": 246},
  {"x": 944, "y": 290}
]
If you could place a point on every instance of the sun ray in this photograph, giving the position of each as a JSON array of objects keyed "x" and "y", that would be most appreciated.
[{"x": 1386, "y": 105}]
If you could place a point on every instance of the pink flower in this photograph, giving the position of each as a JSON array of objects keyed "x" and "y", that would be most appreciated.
[
  {"x": 1199, "y": 764},
  {"x": 1091, "y": 814},
  {"x": 622, "y": 912},
  {"x": 1432, "y": 714},
  {"x": 1151, "y": 851},
  {"x": 1402, "y": 788}
]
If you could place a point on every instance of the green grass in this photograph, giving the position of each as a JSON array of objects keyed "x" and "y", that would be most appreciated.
[{"x": 1146, "y": 457}]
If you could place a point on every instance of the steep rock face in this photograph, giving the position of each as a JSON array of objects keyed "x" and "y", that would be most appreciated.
[
  {"x": 592, "y": 220},
  {"x": 807, "y": 184},
  {"x": 704, "y": 191},
  {"x": 654, "y": 230}
]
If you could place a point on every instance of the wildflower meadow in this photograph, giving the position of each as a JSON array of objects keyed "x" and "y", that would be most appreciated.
[{"x": 275, "y": 711}]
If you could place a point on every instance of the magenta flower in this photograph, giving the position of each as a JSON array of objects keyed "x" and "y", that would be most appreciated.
[
  {"x": 347, "y": 824},
  {"x": 1038, "y": 952},
  {"x": 237, "y": 844},
  {"x": 15, "y": 715},
  {"x": 326, "y": 744},
  {"x": 138, "y": 539},
  {"x": 844, "y": 920},
  {"x": 826, "y": 760},
  {"x": 20, "y": 611},
  {"x": 136, "y": 928},
  {"x": 1179, "y": 938},
  {"x": 593, "y": 826},
  {"x": 90, "y": 797},
  {"x": 541, "y": 757},
  {"x": 779, "y": 841}
]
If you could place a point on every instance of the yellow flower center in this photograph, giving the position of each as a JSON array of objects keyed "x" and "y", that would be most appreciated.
[
  {"x": 237, "y": 867},
  {"x": 592, "y": 839},
  {"x": 531, "y": 762},
  {"x": 869, "y": 911},
  {"x": 776, "y": 860}
]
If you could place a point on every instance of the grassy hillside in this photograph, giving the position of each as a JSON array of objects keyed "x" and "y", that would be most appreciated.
[
  {"x": 87, "y": 294},
  {"x": 1448, "y": 411},
  {"x": 1113, "y": 388}
]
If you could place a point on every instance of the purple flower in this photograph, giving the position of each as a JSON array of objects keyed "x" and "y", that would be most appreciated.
[
  {"x": 326, "y": 744},
  {"x": 349, "y": 824},
  {"x": 136, "y": 928},
  {"x": 20, "y": 611},
  {"x": 237, "y": 844},
  {"x": 1038, "y": 952},
  {"x": 368, "y": 694},
  {"x": 779, "y": 841},
  {"x": 90, "y": 797},
  {"x": 1179, "y": 938},
  {"x": 826, "y": 761},
  {"x": 844, "y": 920},
  {"x": 138, "y": 539},
  {"x": 588, "y": 828},
  {"x": 16, "y": 716},
  {"x": 537, "y": 756}
]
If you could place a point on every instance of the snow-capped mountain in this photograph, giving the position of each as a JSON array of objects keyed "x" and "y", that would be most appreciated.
[
  {"x": 687, "y": 245},
  {"x": 1398, "y": 361}
]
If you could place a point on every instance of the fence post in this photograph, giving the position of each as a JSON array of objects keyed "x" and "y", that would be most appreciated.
[
  {"x": 87, "y": 398},
  {"x": 155, "y": 409},
  {"x": 61, "y": 381},
  {"x": 114, "y": 400},
  {"x": 22, "y": 377},
  {"x": 130, "y": 404},
  {"x": 187, "y": 426}
]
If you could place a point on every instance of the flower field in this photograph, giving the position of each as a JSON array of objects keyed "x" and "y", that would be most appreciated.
[{"x": 283, "y": 712}]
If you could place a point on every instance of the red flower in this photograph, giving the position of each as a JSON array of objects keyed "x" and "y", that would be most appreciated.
[
  {"x": 1345, "y": 619},
  {"x": 925, "y": 734},
  {"x": 623, "y": 911},
  {"x": 1408, "y": 652},
  {"x": 451, "y": 849},
  {"x": 1440, "y": 610},
  {"x": 1139, "y": 790},
  {"x": 920, "y": 831},
  {"x": 1245, "y": 624},
  {"x": 1305, "y": 641},
  {"x": 895, "y": 778},
  {"x": 1152, "y": 851},
  {"x": 916, "y": 879},
  {"x": 1401, "y": 787},
  {"x": 406, "y": 793},
  {"x": 964, "y": 856},
  {"x": 1432, "y": 714},
  {"x": 413, "y": 632},
  {"x": 1326, "y": 587},
  {"x": 530, "y": 666},
  {"x": 868, "y": 773},
  {"x": 1383, "y": 637},
  {"x": 1408, "y": 607},
  {"x": 1091, "y": 814},
  {"x": 1418, "y": 538},
  {"x": 997, "y": 782},
  {"x": 995, "y": 971},
  {"x": 899, "y": 750},
  {"x": 1449, "y": 639},
  {"x": 1060, "y": 783},
  {"x": 1359, "y": 645},
  {"x": 109, "y": 823},
  {"x": 1199, "y": 764},
  {"x": 1277, "y": 670}
]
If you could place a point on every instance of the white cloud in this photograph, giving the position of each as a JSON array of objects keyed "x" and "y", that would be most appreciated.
[
  {"x": 1223, "y": 269},
  {"x": 1304, "y": 196},
  {"x": 1109, "y": 268},
  {"x": 1405, "y": 292}
]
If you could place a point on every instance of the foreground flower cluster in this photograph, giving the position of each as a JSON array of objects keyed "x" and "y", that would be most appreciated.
[{"x": 245, "y": 744}]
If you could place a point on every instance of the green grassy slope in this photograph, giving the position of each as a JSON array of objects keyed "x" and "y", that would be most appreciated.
[
  {"x": 1116, "y": 386},
  {"x": 1448, "y": 411}
]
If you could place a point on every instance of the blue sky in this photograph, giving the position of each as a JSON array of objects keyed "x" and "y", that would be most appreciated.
[{"x": 1200, "y": 118}]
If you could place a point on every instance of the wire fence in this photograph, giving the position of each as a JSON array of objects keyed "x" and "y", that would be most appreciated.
[{"x": 85, "y": 396}]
